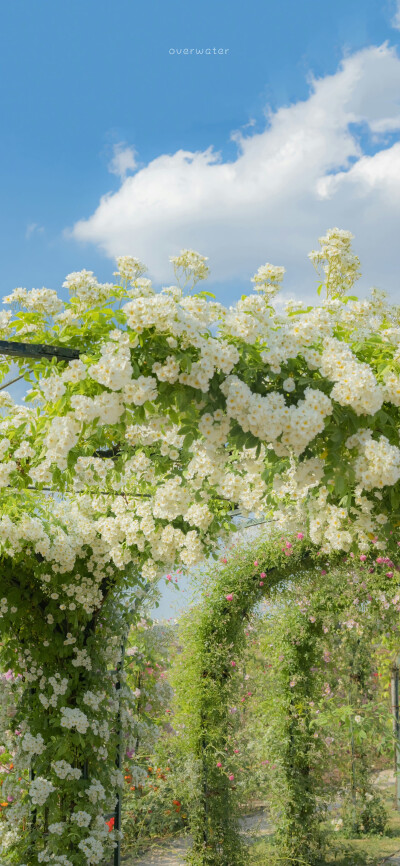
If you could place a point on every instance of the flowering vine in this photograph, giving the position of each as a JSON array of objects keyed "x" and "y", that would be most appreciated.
[{"x": 130, "y": 461}]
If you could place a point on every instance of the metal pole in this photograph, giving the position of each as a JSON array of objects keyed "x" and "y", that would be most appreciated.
[
  {"x": 118, "y": 757},
  {"x": 396, "y": 726},
  {"x": 37, "y": 351}
]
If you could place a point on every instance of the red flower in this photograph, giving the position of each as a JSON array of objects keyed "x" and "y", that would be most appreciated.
[{"x": 110, "y": 824}]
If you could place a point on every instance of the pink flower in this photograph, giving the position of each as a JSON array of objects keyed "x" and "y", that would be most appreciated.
[
  {"x": 219, "y": 764},
  {"x": 231, "y": 777},
  {"x": 300, "y": 535},
  {"x": 224, "y": 560},
  {"x": 236, "y": 751},
  {"x": 389, "y": 574},
  {"x": 169, "y": 577},
  {"x": 261, "y": 583},
  {"x": 323, "y": 571},
  {"x": 233, "y": 664},
  {"x": 262, "y": 575},
  {"x": 363, "y": 557},
  {"x": 229, "y": 597},
  {"x": 255, "y": 563},
  {"x": 288, "y": 544}
]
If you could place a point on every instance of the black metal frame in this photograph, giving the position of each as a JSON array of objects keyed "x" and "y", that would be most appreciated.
[{"x": 37, "y": 351}]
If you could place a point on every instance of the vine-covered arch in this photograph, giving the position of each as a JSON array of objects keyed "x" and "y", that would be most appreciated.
[
  {"x": 214, "y": 636},
  {"x": 213, "y": 644},
  {"x": 190, "y": 411}
]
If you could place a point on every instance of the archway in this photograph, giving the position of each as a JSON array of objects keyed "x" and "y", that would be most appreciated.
[{"x": 213, "y": 639}]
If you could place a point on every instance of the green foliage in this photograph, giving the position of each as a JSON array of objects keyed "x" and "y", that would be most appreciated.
[
  {"x": 319, "y": 694},
  {"x": 205, "y": 678}
]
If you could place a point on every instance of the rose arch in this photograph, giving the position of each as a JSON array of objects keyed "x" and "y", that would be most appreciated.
[
  {"x": 132, "y": 460},
  {"x": 305, "y": 590}
]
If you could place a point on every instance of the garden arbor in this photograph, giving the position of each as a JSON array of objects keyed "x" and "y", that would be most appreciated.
[
  {"x": 176, "y": 412},
  {"x": 311, "y": 597}
]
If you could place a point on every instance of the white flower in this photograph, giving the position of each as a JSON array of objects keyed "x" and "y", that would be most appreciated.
[
  {"x": 57, "y": 828},
  {"x": 289, "y": 384},
  {"x": 378, "y": 464},
  {"x": 95, "y": 792},
  {"x": 192, "y": 264},
  {"x": 82, "y": 819},
  {"x": 64, "y": 770},
  {"x": 33, "y": 745},
  {"x": 39, "y": 790},
  {"x": 268, "y": 279},
  {"x": 74, "y": 718}
]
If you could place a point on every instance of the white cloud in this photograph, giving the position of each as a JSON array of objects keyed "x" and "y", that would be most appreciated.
[
  {"x": 123, "y": 160},
  {"x": 303, "y": 174},
  {"x": 396, "y": 17},
  {"x": 33, "y": 228}
]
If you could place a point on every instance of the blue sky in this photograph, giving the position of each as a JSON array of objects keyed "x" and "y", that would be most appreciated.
[
  {"x": 247, "y": 156},
  {"x": 79, "y": 78}
]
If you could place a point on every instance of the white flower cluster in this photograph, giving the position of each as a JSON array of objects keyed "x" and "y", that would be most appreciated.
[
  {"x": 64, "y": 770},
  {"x": 168, "y": 371},
  {"x": 215, "y": 427},
  {"x": 6, "y": 471},
  {"x": 199, "y": 515},
  {"x": 93, "y": 700},
  {"x": 59, "y": 684},
  {"x": 82, "y": 819},
  {"x": 268, "y": 280},
  {"x": 61, "y": 438},
  {"x": 24, "y": 451},
  {"x": 129, "y": 269},
  {"x": 40, "y": 789},
  {"x": 192, "y": 264},
  {"x": 341, "y": 268},
  {"x": 52, "y": 388},
  {"x": 355, "y": 384},
  {"x": 82, "y": 659},
  {"x": 57, "y": 829},
  {"x": 140, "y": 390},
  {"x": 33, "y": 745},
  {"x": 45, "y": 301},
  {"x": 5, "y": 318},
  {"x": 95, "y": 792},
  {"x": 114, "y": 368},
  {"x": 270, "y": 419},
  {"x": 74, "y": 718},
  {"x": 92, "y": 849},
  {"x": 378, "y": 464},
  {"x": 84, "y": 286},
  {"x": 392, "y": 389}
]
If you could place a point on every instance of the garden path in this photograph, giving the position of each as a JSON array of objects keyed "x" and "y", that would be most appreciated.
[{"x": 173, "y": 853}]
